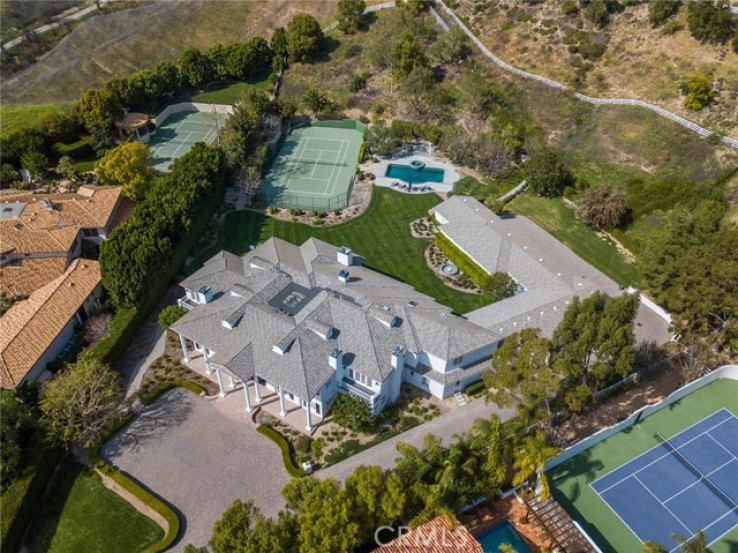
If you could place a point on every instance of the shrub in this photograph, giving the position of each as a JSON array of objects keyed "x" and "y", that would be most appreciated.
[
  {"x": 476, "y": 389},
  {"x": 351, "y": 412},
  {"x": 317, "y": 447},
  {"x": 672, "y": 27},
  {"x": 278, "y": 439},
  {"x": 661, "y": 10},
  {"x": 170, "y": 315},
  {"x": 699, "y": 92},
  {"x": 302, "y": 444}
]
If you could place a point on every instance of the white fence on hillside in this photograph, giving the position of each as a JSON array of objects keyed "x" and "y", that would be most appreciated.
[{"x": 589, "y": 99}]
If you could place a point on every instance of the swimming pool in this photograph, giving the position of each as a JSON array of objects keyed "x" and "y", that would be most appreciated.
[
  {"x": 412, "y": 175},
  {"x": 503, "y": 533}
]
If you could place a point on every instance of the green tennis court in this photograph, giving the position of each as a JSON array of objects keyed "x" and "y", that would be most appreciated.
[
  {"x": 179, "y": 132},
  {"x": 628, "y": 487},
  {"x": 315, "y": 167}
]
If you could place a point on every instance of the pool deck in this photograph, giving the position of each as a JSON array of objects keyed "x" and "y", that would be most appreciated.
[{"x": 379, "y": 169}]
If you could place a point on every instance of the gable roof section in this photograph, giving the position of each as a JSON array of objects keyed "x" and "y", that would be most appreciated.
[
  {"x": 24, "y": 276},
  {"x": 30, "y": 326}
]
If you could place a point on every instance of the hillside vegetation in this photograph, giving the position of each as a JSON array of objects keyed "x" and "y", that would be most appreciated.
[
  {"x": 122, "y": 43},
  {"x": 626, "y": 58}
]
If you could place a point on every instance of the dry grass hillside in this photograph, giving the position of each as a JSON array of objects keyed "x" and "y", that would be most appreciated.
[
  {"x": 639, "y": 61},
  {"x": 121, "y": 43}
]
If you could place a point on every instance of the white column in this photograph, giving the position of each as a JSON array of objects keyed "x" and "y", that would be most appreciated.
[
  {"x": 208, "y": 368},
  {"x": 309, "y": 426},
  {"x": 220, "y": 382},
  {"x": 184, "y": 348},
  {"x": 282, "y": 410},
  {"x": 246, "y": 395},
  {"x": 232, "y": 383},
  {"x": 256, "y": 389}
]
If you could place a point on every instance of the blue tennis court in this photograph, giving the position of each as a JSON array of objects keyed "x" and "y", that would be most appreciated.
[{"x": 684, "y": 484}]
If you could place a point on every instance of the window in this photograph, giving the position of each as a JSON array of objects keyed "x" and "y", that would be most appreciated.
[
  {"x": 90, "y": 232},
  {"x": 351, "y": 373},
  {"x": 456, "y": 362},
  {"x": 425, "y": 381},
  {"x": 317, "y": 408}
]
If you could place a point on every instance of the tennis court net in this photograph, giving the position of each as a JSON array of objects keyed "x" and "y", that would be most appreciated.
[
  {"x": 697, "y": 472},
  {"x": 316, "y": 161}
]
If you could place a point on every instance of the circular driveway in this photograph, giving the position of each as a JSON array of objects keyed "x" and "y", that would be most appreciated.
[{"x": 199, "y": 461}]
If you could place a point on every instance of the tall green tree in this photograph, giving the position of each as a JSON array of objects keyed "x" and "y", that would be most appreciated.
[
  {"x": 241, "y": 135},
  {"x": 195, "y": 67},
  {"x": 529, "y": 461},
  {"x": 521, "y": 372},
  {"x": 127, "y": 165},
  {"x": 350, "y": 15},
  {"x": 82, "y": 402},
  {"x": 17, "y": 425},
  {"x": 351, "y": 412},
  {"x": 98, "y": 107},
  {"x": 305, "y": 40},
  {"x": 35, "y": 162},
  {"x": 710, "y": 20},
  {"x": 244, "y": 529},
  {"x": 408, "y": 54},
  {"x": 378, "y": 499},
  {"x": 546, "y": 173}
]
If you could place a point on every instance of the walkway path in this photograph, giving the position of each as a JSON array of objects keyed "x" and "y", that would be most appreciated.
[
  {"x": 446, "y": 426},
  {"x": 589, "y": 99},
  {"x": 45, "y": 28}
]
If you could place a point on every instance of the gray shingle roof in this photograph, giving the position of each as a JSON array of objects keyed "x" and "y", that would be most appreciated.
[
  {"x": 253, "y": 292},
  {"x": 550, "y": 273}
]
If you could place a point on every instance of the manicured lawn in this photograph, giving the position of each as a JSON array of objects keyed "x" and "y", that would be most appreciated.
[
  {"x": 381, "y": 235},
  {"x": 556, "y": 218},
  {"x": 80, "y": 514},
  {"x": 230, "y": 94},
  {"x": 26, "y": 115}
]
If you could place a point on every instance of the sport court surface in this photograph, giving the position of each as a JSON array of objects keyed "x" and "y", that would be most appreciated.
[
  {"x": 315, "y": 167},
  {"x": 688, "y": 482},
  {"x": 179, "y": 132},
  {"x": 632, "y": 487}
]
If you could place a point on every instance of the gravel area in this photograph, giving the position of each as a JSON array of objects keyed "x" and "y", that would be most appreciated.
[{"x": 199, "y": 461}]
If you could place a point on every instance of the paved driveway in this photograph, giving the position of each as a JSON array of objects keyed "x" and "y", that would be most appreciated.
[
  {"x": 199, "y": 461},
  {"x": 384, "y": 454}
]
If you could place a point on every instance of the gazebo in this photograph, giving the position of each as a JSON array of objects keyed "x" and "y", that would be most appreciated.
[{"x": 134, "y": 123}]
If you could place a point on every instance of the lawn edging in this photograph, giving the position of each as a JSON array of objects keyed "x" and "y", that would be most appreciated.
[
  {"x": 284, "y": 445},
  {"x": 143, "y": 500}
]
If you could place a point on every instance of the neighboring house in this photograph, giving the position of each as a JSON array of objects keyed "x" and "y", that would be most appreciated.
[
  {"x": 435, "y": 536},
  {"x": 41, "y": 238},
  {"x": 37, "y": 330},
  {"x": 40, "y": 234},
  {"x": 309, "y": 322}
]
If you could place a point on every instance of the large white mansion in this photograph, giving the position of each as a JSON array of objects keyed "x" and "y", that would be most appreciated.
[{"x": 310, "y": 321}]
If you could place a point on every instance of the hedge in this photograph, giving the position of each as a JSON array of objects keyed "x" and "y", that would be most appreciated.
[
  {"x": 278, "y": 439},
  {"x": 465, "y": 263},
  {"x": 169, "y": 385},
  {"x": 352, "y": 447},
  {"x": 477, "y": 389},
  {"x": 20, "y": 498},
  {"x": 80, "y": 149},
  {"x": 633, "y": 244},
  {"x": 120, "y": 333}
]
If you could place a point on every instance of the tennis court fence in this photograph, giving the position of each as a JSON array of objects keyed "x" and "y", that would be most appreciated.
[{"x": 308, "y": 203}]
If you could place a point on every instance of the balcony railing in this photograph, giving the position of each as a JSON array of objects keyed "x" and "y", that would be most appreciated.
[
  {"x": 360, "y": 391},
  {"x": 186, "y": 303}
]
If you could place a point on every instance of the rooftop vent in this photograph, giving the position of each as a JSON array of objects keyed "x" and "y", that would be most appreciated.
[
  {"x": 321, "y": 329},
  {"x": 345, "y": 256},
  {"x": 283, "y": 345},
  {"x": 47, "y": 205},
  {"x": 344, "y": 276},
  {"x": 232, "y": 320}
]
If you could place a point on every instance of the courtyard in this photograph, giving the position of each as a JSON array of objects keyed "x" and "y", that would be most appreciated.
[{"x": 198, "y": 461}]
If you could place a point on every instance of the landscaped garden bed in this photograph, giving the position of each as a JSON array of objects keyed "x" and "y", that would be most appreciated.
[
  {"x": 332, "y": 443},
  {"x": 169, "y": 371},
  {"x": 436, "y": 259}
]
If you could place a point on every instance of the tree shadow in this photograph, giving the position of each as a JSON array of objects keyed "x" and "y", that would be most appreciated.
[{"x": 167, "y": 412}]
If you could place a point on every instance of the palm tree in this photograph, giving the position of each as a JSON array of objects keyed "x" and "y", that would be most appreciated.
[
  {"x": 316, "y": 101},
  {"x": 697, "y": 544},
  {"x": 488, "y": 441},
  {"x": 529, "y": 460}
]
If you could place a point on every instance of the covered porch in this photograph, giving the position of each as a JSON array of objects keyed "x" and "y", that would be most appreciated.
[{"x": 254, "y": 392}]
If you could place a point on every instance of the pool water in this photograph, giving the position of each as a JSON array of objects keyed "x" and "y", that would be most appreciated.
[
  {"x": 503, "y": 533},
  {"x": 410, "y": 174}
]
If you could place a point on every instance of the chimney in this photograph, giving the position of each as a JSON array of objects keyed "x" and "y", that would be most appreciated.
[
  {"x": 335, "y": 359},
  {"x": 344, "y": 276},
  {"x": 398, "y": 357},
  {"x": 345, "y": 256}
]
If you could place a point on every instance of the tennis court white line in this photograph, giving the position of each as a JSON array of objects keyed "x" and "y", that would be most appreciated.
[
  {"x": 721, "y": 445},
  {"x": 658, "y": 446},
  {"x": 331, "y": 182},
  {"x": 699, "y": 480},
  {"x": 664, "y": 506}
]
